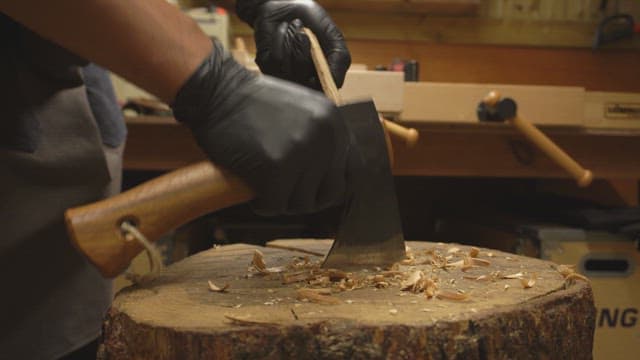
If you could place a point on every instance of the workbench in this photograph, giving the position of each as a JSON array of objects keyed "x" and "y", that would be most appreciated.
[{"x": 466, "y": 150}]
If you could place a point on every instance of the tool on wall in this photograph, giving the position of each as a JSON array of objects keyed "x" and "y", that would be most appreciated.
[
  {"x": 614, "y": 28},
  {"x": 497, "y": 109},
  {"x": 369, "y": 232}
]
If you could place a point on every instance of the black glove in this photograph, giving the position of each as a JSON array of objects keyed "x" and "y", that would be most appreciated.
[
  {"x": 284, "y": 49},
  {"x": 289, "y": 143}
]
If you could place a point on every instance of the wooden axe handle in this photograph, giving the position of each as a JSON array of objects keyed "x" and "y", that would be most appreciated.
[
  {"x": 409, "y": 135},
  {"x": 154, "y": 207}
]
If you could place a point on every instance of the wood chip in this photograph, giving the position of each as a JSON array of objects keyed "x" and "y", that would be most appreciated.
[
  {"x": 316, "y": 296},
  {"x": 214, "y": 288}
]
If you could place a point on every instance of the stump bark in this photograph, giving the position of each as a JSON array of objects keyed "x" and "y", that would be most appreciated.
[{"x": 175, "y": 315}]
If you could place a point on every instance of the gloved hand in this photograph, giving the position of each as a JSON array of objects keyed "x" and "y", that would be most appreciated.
[
  {"x": 283, "y": 50},
  {"x": 289, "y": 143}
]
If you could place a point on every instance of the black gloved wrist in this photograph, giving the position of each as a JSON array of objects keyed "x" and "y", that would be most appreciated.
[
  {"x": 287, "y": 142},
  {"x": 283, "y": 50},
  {"x": 247, "y": 10}
]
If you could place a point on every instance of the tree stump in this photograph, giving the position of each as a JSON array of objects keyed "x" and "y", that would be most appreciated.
[{"x": 465, "y": 305}]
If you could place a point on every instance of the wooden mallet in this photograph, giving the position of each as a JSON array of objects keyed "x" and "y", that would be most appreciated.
[{"x": 495, "y": 108}]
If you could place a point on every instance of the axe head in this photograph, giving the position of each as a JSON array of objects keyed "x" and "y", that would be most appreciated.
[{"x": 370, "y": 231}]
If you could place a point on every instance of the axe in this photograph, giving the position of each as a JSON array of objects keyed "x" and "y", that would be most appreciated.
[{"x": 369, "y": 231}]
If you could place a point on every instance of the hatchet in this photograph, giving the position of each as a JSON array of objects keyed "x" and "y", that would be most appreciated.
[{"x": 369, "y": 231}]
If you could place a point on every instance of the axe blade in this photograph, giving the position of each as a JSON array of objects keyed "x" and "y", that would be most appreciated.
[{"x": 370, "y": 230}]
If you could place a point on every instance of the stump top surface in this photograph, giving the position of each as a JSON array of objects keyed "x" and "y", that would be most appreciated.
[{"x": 179, "y": 297}]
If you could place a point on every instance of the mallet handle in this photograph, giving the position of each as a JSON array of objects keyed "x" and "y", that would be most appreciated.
[{"x": 582, "y": 175}]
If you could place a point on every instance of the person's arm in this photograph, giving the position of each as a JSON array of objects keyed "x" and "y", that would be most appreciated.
[
  {"x": 289, "y": 143},
  {"x": 151, "y": 43}
]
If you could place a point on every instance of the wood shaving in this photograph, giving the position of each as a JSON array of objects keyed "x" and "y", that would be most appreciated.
[
  {"x": 519, "y": 275},
  {"x": 453, "y": 250},
  {"x": 414, "y": 282},
  {"x": 431, "y": 287},
  {"x": 317, "y": 297},
  {"x": 479, "y": 262},
  {"x": 528, "y": 283},
  {"x": 474, "y": 252},
  {"x": 275, "y": 269},
  {"x": 291, "y": 278},
  {"x": 449, "y": 295},
  {"x": 214, "y": 288},
  {"x": 477, "y": 278},
  {"x": 570, "y": 275},
  {"x": 576, "y": 276},
  {"x": 246, "y": 322},
  {"x": 258, "y": 262}
]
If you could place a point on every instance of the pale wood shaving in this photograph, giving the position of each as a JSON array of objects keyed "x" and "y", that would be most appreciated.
[
  {"x": 449, "y": 295},
  {"x": 414, "y": 282},
  {"x": 519, "y": 275},
  {"x": 317, "y": 297},
  {"x": 214, "y": 288},
  {"x": 474, "y": 252},
  {"x": 576, "y": 276},
  {"x": 477, "y": 278}
]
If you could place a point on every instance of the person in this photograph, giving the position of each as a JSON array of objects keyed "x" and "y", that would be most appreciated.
[{"x": 60, "y": 147}]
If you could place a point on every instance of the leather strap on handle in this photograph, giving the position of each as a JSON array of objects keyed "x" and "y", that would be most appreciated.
[{"x": 154, "y": 207}]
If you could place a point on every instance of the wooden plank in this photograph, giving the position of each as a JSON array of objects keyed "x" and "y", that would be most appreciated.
[
  {"x": 175, "y": 315},
  {"x": 457, "y": 103},
  {"x": 609, "y": 70},
  {"x": 462, "y": 31}
]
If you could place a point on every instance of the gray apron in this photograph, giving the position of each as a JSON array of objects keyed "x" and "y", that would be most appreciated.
[{"x": 51, "y": 158}]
